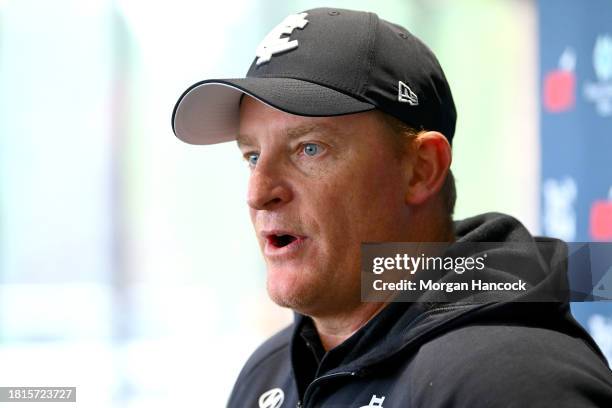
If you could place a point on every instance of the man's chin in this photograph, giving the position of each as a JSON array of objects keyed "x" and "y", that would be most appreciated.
[{"x": 294, "y": 294}]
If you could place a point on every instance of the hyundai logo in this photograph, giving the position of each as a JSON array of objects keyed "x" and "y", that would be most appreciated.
[{"x": 272, "y": 398}]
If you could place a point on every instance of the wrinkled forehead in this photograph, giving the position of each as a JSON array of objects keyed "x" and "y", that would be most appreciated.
[{"x": 258, "y": 120}]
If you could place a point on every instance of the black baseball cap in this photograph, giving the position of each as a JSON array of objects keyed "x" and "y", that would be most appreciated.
[{"x": 326, "y": 62}]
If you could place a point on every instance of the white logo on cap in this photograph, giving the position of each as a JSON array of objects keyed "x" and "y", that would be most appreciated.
[
  {"x": 273, "y": 43},
  {"x": 405, "y": 94}
]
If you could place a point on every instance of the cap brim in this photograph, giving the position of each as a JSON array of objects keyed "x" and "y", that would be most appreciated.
[{"x": 208, "y": 112}]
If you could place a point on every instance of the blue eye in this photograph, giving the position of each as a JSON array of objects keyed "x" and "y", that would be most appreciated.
[
  {"x": 311, "y": 149},
  {"x": 252, "y": 159}
]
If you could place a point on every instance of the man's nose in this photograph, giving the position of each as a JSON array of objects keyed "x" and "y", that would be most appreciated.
[{"x": 268, "y": 187}]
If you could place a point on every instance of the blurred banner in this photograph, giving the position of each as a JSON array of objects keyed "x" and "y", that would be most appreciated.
[{"x": 576, "y": 132}]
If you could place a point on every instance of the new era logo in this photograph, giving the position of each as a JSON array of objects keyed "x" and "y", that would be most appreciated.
[{"x": 405, "y": 94}]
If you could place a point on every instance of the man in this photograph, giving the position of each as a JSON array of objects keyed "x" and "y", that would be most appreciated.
[{"x": 346, "y": 122}]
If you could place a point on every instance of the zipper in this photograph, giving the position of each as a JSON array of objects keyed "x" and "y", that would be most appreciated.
[
  {"x": 320, "y": 379},
  {"x": 432, "y": 311}
]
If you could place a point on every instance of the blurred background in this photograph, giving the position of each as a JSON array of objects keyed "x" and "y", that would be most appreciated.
[{"x": 128, "y": 266}]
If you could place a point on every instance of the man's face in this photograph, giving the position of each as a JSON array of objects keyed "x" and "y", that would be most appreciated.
[{"x": 318, "y": 188}]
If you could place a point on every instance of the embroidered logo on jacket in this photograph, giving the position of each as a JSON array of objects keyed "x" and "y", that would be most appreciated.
[
  {"x": 272, "y": 398},
  {"x": 375, "y": 402}
]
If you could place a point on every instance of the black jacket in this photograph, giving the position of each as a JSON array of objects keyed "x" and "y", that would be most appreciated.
[{"x": 487, "y": 354}]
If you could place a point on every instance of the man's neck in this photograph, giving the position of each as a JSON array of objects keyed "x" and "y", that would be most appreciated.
[{"x": 336, "y": 329}]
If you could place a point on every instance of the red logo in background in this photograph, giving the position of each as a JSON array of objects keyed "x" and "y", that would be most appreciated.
[
  {"x": 560, "y": 84},
  {"x": 601, "y": 219}
]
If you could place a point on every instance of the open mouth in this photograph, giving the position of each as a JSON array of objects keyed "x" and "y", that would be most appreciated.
[{"x": 280, "y": 241}]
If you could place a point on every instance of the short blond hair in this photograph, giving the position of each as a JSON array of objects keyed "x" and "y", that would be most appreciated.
[{"x": 403, "y": 136}]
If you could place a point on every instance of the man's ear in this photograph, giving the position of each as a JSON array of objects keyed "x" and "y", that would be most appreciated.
[{"x": 431, "y": 159}]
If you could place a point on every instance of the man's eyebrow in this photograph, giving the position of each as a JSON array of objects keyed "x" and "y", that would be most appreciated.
[
  {"x": 292, "y": 133},
  {"x": 322, "y": 128},
  {"x": 298, "y": 131},
  {"x": 242, "y": 140}
]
